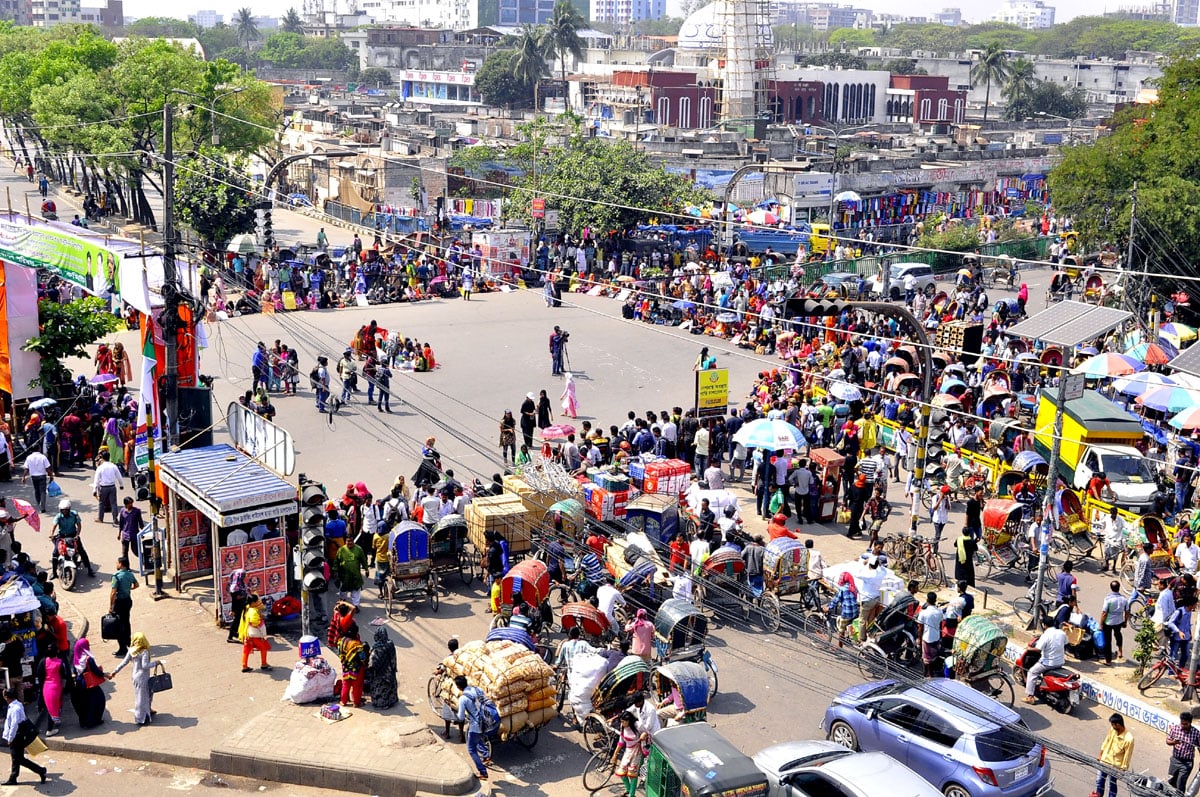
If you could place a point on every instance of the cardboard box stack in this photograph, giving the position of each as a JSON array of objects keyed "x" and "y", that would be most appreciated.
[
  {"x": 505, "y": 514},
  {"x": 666, "y": 477}
]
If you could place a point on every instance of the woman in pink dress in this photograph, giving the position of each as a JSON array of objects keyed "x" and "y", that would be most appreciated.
[
  {"x": 53, "y": 681},
  {"x": 570, "y": 406}
]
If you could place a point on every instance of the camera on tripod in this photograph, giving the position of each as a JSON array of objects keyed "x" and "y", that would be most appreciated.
[{"x": 563, "y": 336}]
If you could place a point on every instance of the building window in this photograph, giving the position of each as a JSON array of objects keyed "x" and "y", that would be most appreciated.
[
  {"x": 872, "y": 113},
  {"x": 685, "y": 112},
  {"x": 942, "y": 107},
  {"x": 663, "y": 114},
  {"x": 705, "y": 119}
]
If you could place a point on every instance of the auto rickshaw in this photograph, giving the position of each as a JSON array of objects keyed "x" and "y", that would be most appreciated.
[
  {"x": 693, "y": 760},
  {"x": 1074, "y": 538},
  {"x": 680, "y": 630},
  {"x": 687, "y": 684},
  {"x": 656, "y": 516},
  {"x": 979, "y": 645}
]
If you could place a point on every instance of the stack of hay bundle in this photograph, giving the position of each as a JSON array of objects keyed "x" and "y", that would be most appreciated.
[{"x": 512, "y": 676}]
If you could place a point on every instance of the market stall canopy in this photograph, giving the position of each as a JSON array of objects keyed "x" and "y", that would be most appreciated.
[
  {"x": 17, "y": 597},
  {"x": 226, "y": 486}
]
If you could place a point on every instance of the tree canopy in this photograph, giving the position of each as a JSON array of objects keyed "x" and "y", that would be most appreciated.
[
  {"x": 499, "y": 84},
  {"x": 64, "y": 330}
]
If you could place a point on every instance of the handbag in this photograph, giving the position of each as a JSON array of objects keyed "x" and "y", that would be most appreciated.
[
  {"x": 160, "y": 681},
  {"x": 110, "y": 626},
  {"x": 843, "y": 515},
  {"x": 53, "y": 490}
]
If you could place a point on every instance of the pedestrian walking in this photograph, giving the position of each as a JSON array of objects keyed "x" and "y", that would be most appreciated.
[
  {"x": 237, "y": 597},
  {"x": 105, "y": 482},
  {"x": 1114, "y": 614},
  {"x": 129, "y": 525},
  {"x": 930, "y": 619},
  {"x": 56, "y": 681},
  {"x": 38, "y": 470},
  {"x": 570, "y": 404},
  {"x": 88, "y": 697},
  {"x": 528, "y": 418},
  {"x": 940, "y": 514},
  {"x": 383, "y": 379},
  {"x": 350, "y": 563},
  {"x": 139, "y": 656},
  {"x": 354, "y": 655},
  {"x": 120, "y": 602},
  {"x": 1183, "y": 739},
  {"x": 320, "y": 382},
  {"x": 253, "y": 633},
  {"x": 508, "y": 437},
  {"x": 18, "y": 733},
  {"x": 964, "y": 556},
  {"x": 470, "y": 713},
  {"x": 1116, "y": 752}
]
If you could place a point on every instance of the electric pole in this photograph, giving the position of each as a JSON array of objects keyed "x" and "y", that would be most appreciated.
[
  {"x": 169, "y": 386},
  {"x": 1124, "y": 281}
]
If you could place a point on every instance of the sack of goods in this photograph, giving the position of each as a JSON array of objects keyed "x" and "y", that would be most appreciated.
[{"x": 512, "y": 676}]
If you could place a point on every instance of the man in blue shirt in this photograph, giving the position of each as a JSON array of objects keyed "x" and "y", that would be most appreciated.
[
  {"x": 470, "y": 711},
  {"x": 258, "y": 367}
]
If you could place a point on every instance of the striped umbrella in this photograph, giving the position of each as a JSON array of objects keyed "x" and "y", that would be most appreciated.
[
  {"x": 1170, "y": 398},
  {"x": 1176, "y": 331},
  {"x": 1108, "y": 364},
  {"x": 1188, "y": 420},
  {"x": 1153, "y": 353},
  {"x": 1137, "y": 384}
]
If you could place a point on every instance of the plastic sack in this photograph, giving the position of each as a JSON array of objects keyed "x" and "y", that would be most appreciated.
[
  {"x": 586, "y": 672},
  {"x": 309, "y": 684}
]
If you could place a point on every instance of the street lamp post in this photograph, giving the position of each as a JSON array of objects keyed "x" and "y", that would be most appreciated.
[
  {"x": 1070, "y": 122},
  {"x": 211, "y": 104}
]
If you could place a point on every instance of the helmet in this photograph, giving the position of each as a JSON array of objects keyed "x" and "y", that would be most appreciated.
[
  {"x": 779, "y": 518},
  {"x": 730, "y": 512},
  {"x": 64, "y": 504}
]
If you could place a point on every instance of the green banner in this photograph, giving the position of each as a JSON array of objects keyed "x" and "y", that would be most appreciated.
[{"x": 74, "y": 258}]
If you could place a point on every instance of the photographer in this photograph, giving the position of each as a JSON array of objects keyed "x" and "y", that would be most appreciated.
[{"x": 558, "y": 341}]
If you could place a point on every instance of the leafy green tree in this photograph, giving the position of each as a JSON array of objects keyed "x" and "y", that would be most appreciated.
[
  {"x": 156, "y": 27},
  {"x": 375, "y": 76},
  {"x": 1009, "y": 37},
  {"x": 903, "y": 66},
  {"x": 291, "y": 22},
  {"x": 327, "y": 53},
  {"x": 561, "y": 36},
  {"x": 851, "y": 38},
  {"x": 219, "y": 38},
  {"x": 991, "y": 67},
  {"x": 213, "y": 198},
  {"x": 932, "y": 37},
  {"x": 285, "y": 50},
  {"x": 247, "y": 31},
  {"x": 499, "y": 84},
  {"x": 1018, "y": 88},
  {"x": 836, "y": 60},
  {"x": 529, "y": 59},
  {"x": 64, "y": 329}
]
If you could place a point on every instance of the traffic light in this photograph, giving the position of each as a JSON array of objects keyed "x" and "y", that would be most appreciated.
[
  {"x": 141, "y": 485},
  {"x": 310, "y": 554},
  {"x": 824, "y": 307},
  {"x": 262, "y": 229}
]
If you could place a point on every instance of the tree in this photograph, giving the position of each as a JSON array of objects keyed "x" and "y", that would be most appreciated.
[
  {"x": 529, "y": 59},
  {"x": 247, "y": 31},
  {"x": 213, "y": 198},
  {"x": 163, "y": 27},
  {"x": 903, "y": 66},
  {"x": 836, "y": 60},
  {"x": 375, "y": 76},
  {"x": 851, "y": 38},
  {"x": 64, "y": 329},
  {"x": 992, "y": 67},
  {"x": 291, "y": 22},
  {"x": 927, "y": 38},
  {"x": 1019, "y": 87},
  {"x": 327, "y": 53},
  {"x": 219, "y": 38},
  {"x": 561, "y": 37},
  {"x": 497, "y": 81}
]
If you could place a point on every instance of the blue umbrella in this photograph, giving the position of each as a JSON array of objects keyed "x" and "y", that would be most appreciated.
[
  {"x": 771, "y": 434},
  {"x": 682, "y": 305},
  {"x": 1170, "y": 398},
  {"x": 1140, "y": 383}
]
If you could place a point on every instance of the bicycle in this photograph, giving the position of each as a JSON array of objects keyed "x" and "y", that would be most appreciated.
[
  {"x": 599, "y": 770},
  {"x": 1023, "y": 607},
  {"x": 1162, "y": 666},
  {"x": 916, "y": 558}
]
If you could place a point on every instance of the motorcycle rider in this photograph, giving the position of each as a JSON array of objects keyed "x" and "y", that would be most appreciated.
[
  {"x": 67, "y": 526},
  {"x": 1053, "y": 645}
]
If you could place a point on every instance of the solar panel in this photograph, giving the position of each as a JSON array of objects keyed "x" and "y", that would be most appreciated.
[
  {"x": 1070, "y": 323},
  {"x": 1187, "y": 361}
]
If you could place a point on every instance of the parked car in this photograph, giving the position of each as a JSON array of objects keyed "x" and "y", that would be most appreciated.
[
  {"x": 963, "y": 742},
  {"x": 816, "y": 768},
  {"x": 830, "y": 285},
  {"x": 897, "y": 273}
]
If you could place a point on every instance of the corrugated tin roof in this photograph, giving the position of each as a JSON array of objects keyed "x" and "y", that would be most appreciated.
[{"x": 225, "y": 477}]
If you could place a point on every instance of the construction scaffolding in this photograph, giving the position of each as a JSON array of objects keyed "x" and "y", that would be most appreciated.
[{"x": 747, "y": 69}]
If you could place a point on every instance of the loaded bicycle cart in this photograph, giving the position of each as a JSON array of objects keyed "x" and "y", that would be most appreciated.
[
  {"x": 511, "y": 676},
  {"x": 410, "y": 575},
  {"x": 979, "y": 644}
]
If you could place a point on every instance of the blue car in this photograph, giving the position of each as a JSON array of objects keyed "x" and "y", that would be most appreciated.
[{"x": 963, "y": 742}]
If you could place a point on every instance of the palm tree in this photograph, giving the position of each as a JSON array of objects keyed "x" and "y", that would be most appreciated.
[
  {"x": 247, "y": 31},
  {"x": 992, "y": 67},
  {"x": 1019, "y": 88},
  {"x": 529, "y": 60},
  {"x": 561, "y": 37},
  {"x": 291, "y": 22}
]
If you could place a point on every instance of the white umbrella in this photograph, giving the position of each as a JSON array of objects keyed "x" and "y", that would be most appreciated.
[
  {"x": 243, "y": 243},
  {"x": 847, "y": 196},
  {"x": 769, "y": 433},
  {"x": 845, "y": 391}
]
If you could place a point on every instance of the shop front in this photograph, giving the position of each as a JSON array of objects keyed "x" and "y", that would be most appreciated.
[{"x": 227, "y": 512}]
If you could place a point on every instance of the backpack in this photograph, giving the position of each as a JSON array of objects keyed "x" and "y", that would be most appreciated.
[
  {"x": 485, "y": 708},
  {"x": 314, "y": 377}
]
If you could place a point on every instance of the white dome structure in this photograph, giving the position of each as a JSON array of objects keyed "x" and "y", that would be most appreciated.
[{"x": 704, "y": 29}]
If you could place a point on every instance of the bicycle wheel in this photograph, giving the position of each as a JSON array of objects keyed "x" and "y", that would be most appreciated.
[
  {"x": 1137, "y": 608},
  {"x": 819, "y": 627},
  {"x": 873, "y": 663},
  {"x": 996, "y": 685},
  {"x": 1023, "y": 608},
  {"x": 598, "y": 771},
  {"x": 435, "y": 702},
  {"x": 937, "y": 569},
  {"x": 596, "y": 733},
  {"x": 1129, "y": 572},
  {"x": 769, "y": 611},
  {"x": 1153, "y": 676},
  {"x": 919, "y": 571}
]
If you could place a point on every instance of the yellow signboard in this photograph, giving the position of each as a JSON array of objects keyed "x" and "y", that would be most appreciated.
[{"x": 712, "y": 392}]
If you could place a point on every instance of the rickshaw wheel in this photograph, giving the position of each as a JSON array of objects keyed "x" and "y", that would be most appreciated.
[
  {"x": 919, "y": 571},
  {"x": 817, "y": 624},
  {"x": 768, "y": 608},
  {"x": 1128, "y": 572},
  {"x": 997, "y": 686},
  {"x": 527, "y": 738},
  {"x": 499, "y": 620},
  {"x": 389, "y": 597},
  {"x": 598, "y": 771},
  {"x": 983, "y": 560},
  {"x": 596, "y": 732},
  {"x": 431, "y": 690},
  {"x": 432, "y": 589},
  {"x": 465, "y": 572},
  {"x": 873, "y": 662},
  {"x": 698, "y": 596},
  {"x": 713, "y": 682}
]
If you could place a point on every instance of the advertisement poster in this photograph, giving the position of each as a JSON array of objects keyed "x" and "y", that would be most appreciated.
[
  {"x": 276, "y": 552},
  {"x": 265, "y": 563},
  {"x": 188, "y": 524}
]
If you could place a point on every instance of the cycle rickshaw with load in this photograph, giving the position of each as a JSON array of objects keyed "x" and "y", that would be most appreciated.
[
  {"x": 410, "y": 570},
  {"x": 592, "y": 622},
  {"x": 611, "y": 696},
  {"x": 978, "y": 658},
  {"x": 529, "y": 581}
]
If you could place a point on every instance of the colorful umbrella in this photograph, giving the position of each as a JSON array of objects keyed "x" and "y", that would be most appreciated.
[
  {"x": 1088, "y": 350},
  {"x": 771, "y": 434},
  {"x": 764, "y": 217},
  {"x": 1107, "y": 365},
  {"x": 28, "y": 512},
  {"x": 558, "y": 432},
  {"x": 1026, "y": 356},
  {"x": 1141, "y": 383},
  {"x": 103, "y": 379},
  {"x": 42, "y": 404},
  {"x": 1154, "y": 353},
  {"x": 1177, "y": 331},
  {"x": 1188, "y": 420},
  {"x": 1170, "y": 398}
]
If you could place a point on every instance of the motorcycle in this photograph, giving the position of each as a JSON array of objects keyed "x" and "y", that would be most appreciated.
[
  {"x": 67, "y": 562},
  {"x": 1060, "y": 687}
]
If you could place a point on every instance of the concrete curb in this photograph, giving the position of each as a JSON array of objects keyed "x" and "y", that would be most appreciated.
[{"x": 154, "y": 756}]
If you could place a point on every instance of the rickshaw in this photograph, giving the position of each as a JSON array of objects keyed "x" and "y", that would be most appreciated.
[
  {"x": 1008, "y": 482},
  {"x": 891, "y": 642},
  {"x": 689, "y": 760},
  {"x": 448, "y": 548},
  {"x": 688, "y": 681},
  {"x": 1061, "y": 287},
  {"x": 1162, "y": 559},
  {"x": 611, "y": 696},
  {"x": 1093, "y": 289},
  {"x": 529, "y": 580},
  {"x": 785, "y": 572},
  {"x": 639, "y": 570},
  {"x": 1034, "y": 467},
  {"x": 722, "y": 584},
  {"x": 979, "y": 645},
  {"x": 1051, "y": 359},
  {"x": 1002, "y": 546},
  {"x": 592, "y": 622},
  {"x": 656, "y": 516},
  {"x": 565, "y": 517},
  {"x": 680, "y": 630},
  {"x": 1003, "y": 432},
  {"x": 506, "y": 634},
  {"x": 1074, "y": 538},
  {"x": 410, "y": 574}
]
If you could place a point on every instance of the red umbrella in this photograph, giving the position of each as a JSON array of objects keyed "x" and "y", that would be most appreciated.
[{"x": 28, "y": 512}]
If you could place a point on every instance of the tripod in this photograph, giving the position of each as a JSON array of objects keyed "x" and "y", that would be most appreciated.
[{"x": 566, "y": 358}]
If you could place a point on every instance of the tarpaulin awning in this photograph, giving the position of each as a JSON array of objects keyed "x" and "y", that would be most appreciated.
[{"x": 226, "y": 486}]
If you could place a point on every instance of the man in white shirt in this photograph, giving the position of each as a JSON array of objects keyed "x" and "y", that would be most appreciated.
[
  {"x": 930, "y": 620},
  {"x": 237, "y": 537},
  {"x": 714, "y": 476},
  {"x": 1114, "y": 539},
  {"x": 37, "y": 468},
  {"x": 1187, "y": 553},
  {"x": 870, "y": 589},
  {"x": 816, "y": 562},
  {"x": 18, "y": 733},
  {"x": 1053, "y": 645},
  {"x": 698, "y": 550},
  {"x": 608, "y": 598},
  {"x": 431, "y": 507},
  {"x": 104, "y": 486}
]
